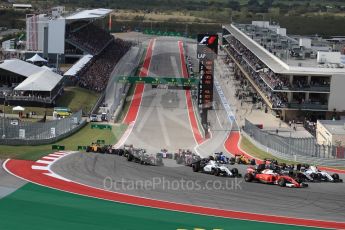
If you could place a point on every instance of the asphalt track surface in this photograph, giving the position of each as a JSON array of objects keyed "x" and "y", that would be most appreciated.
[
  {"x": 8, "y": 182},
  {"x": 163, "y": 122}
]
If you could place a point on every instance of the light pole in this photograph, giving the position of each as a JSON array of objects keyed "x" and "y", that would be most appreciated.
[{"x": 3, "y": 119}]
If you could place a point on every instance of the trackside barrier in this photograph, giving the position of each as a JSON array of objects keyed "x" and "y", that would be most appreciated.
[
  {"x": 80, "y": 147},
  {"x": 58, "y": 147},
  {"x": 99, "y": 126},
  {"x": 39, "y": 133}
]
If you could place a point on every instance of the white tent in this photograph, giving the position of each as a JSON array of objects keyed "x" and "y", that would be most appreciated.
[
  {"x": 20, "y": 67},
  {"x": 36, "y": 58},
  {"x": 18, "y": 108},
  {"x": 79, "y": 65},
  {"x": 44, "y": 80}
]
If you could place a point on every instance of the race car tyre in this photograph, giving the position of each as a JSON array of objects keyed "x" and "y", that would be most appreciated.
[
  {"x": 130, "y": 157},
  {"x": 238, "y": 161},
  {"x": 217, "y": 172},
  {"x": 179, "y": 160},
  {"x": 335, "y": 176},
  {"x": 120, "y": 152},
  {"x": 248, "y": 177},
  {"x": 88, "y": 149},
  {"x": 232, "y": 160},
  {"x": 315, "y": 176},
  {"x": 213, "y": 171},
  {"x": 234, "y": 172},
  {"x": 282, "y": 182},
  {"x": 298, "y": 167},
  {"x": 252, "y": 162},
  {"x": 196, "y": 167}
]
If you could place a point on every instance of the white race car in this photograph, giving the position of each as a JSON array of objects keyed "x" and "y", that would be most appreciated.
[
  {"x": 210, "y": 166},
  {"x": 314, "y": 174}
]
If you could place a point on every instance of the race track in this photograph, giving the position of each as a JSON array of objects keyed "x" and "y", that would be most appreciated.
[
  {"x": 320, "y": 201},
  {"x": 163, "y": 122}
]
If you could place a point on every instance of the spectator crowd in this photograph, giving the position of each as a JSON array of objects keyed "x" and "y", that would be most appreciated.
[
  {"x": 258, "y": 72},
  {"x": 91, "y": 38},
  {"x": 96, "y": 73}
]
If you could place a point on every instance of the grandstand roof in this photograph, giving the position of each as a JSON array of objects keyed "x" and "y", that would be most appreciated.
[
  {"x": 276, "y": 64},
  {"x": 79, "y": 65},
  {"x": 45, "y": 80},
  {"x": 89, "y": 14},
  {"x": 37, "y": 78}
]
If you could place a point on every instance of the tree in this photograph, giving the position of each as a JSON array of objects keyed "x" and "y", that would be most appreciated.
[
  {"x": 254, "y": 6},
  {"x": 234, "y": 5}
]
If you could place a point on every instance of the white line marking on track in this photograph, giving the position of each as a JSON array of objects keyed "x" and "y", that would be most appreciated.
[
  {"x": 38, "y": 167},
  {"x": 52, "y": 174},
  {"x": 164, "y": 129},
  {"x": 125, "y": 136},
  {"x": 218, "y": 119},
  {"x": 44, "y": 162},
  {"x": 50, "y": 158},
  {"x": 55, "y": 155}
]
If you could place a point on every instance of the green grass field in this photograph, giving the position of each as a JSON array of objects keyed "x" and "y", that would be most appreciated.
[
  {"x": 83, "y": 137},
  {"x": 77, "y": 98},
  {"x": 33, "y": 207}
]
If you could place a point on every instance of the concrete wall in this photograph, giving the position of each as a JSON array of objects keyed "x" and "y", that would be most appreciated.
[
  {"x": 56, "y": 36},
  {"x": 323, "y": 137},
  {"x": 336, "y": 97}
]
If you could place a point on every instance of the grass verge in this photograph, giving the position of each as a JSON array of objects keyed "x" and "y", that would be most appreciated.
[
  {"x": 77, "y": 98},
  {"x": 83, "y": 137},
  {"x": 251, "y": 149}
]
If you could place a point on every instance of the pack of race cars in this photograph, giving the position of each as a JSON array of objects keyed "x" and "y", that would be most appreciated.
[{"x": 269, "y": 172}]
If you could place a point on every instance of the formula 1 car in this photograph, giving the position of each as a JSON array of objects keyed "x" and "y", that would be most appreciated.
[
  {"x": 221, "y": 158},
  {"x": 270, "y": 176},
  {"x": 210, "y": 166},
  {"x": 96, "y": 148},
  {"x": 186, "y": 157},
  {"x": 140, "y": 156},
  {"x": 164, "y": 153},
  {"x": 314, "y": 174}
]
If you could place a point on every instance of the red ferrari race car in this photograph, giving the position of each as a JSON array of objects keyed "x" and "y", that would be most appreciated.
[{"x": 271, "y": 176}]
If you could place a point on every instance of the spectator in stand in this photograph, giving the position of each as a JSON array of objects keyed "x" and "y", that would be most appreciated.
[
  {"x": 266, "y": 81},
  {"x": 96, "y": 74},
  {"x": 91, "y": 37}
]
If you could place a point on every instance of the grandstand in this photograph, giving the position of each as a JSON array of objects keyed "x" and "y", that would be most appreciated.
[
  {"x": 83, "y": 41},
  {"x": 68, "y": 35},
  {"x": 298, "y": 77},
  {"x": 79, "y": 38}
]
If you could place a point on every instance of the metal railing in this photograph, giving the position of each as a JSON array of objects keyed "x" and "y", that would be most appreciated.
[
  {"x": 291, "y": 146},
  {"x": 17, "y": 132}
]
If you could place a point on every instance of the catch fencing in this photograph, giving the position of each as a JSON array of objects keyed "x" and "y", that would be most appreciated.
[
  {"x": 17, "y": 132},
  {"x": 291, "y": 146}
]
